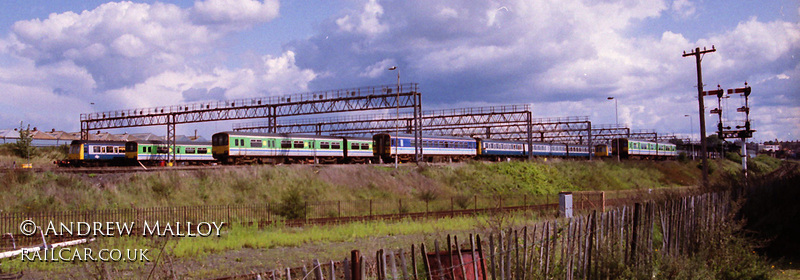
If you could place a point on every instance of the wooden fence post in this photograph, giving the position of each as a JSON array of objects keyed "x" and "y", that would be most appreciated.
[
  {"x": 425, "y": 261},
  {"x": 332, "y": 271},
  {"x": 348, "y": 269},
  {"x": 635, "y": 234},
  {"x": 356, "y": 266},
  {"x": 481, "y": 257},
  {"x": 414, "y": 262},
  {"x": 317, "y": 269}
]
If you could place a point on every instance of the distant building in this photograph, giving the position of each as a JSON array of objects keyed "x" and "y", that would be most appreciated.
[{"x": 769, "y": 148}]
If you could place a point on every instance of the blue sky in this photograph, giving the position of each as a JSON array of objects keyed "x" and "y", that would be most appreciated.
[{"x": 564, "y": 57}]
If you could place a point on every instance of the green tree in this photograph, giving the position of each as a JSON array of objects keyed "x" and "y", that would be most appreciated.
[{"x": 23, "y": 147}]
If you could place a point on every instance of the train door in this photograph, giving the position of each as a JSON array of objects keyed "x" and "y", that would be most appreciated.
[{"x": 381, "y": 147}]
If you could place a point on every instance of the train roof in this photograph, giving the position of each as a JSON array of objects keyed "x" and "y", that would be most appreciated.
[
  {"x": 425, "y": 136},
  {"x": 646, "y": 141},
  {"x": 164, "y": 142},
  {"x": 286, "y": 135},
  {"x": 97, "y": 142}
]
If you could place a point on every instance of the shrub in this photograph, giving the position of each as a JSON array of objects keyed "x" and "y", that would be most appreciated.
[{"x": 292, "y": 205}]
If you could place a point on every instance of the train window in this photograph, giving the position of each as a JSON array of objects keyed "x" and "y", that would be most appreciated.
[
  {"x": 299, "y": 144},
  {"x": 365, "y": 146},
  {"x": 286, "y": 144},
  {"x": 256, "y": 143},
  {"x": 324, "y": 145},
  {"x": 336, "y": 146},
  {"x": 95, "y": 149},
  {"x": 354, "y": 146},
  {"x": 190, "y": 150},
  {"x": 162, "y": 149},
  {"x": 116, "y": 150},
  {"x": 202, "y": 150}
]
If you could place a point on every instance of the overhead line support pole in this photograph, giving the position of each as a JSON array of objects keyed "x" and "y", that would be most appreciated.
[{"x": 697, "y": 54}]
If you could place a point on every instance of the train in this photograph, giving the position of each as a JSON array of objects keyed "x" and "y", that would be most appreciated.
[
  {"x": 231, "y": 147},
  {"x": 94, "y": 153},
  {"x": 637, "y": 149}
]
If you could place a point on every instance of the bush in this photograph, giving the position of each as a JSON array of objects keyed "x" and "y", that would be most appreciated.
[
  {"x": 292, "y": 205},
  {"x": 733, "y": 156}
]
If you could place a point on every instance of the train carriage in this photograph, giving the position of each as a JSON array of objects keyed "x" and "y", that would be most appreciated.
[
  {"x": 630, "y": 148},
  {"x": 497, "y": 149},
  {"x": 580, "y": 151},
  {"x": 602, "y": 150},
  {"x": 434, "y": 148},
  {"x": 156, "y": 152},
  {"x": 558, "y": 150},
  {"x": 246, "y": 147},
  {"x": 95, "y": 153},
  {"x": 359, "y": 150}
]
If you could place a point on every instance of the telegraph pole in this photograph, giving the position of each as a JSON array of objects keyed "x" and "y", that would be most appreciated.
[{"x": 697, "y": 53}]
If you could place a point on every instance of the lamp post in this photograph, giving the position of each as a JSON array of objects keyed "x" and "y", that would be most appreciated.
[
  {"x": 691, "y": 128},
  {"x": 397, "y": 117},
  {"x": 616, "y": 118}
]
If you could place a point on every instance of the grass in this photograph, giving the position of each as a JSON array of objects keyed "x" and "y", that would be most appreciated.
[{"x": 48, "y": 191}]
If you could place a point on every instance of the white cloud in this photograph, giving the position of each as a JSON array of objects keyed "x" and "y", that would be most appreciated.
[
  {"x": 447, "y": 13},
  {"x": 378, "y": 69},
  {"x": 122, "y": 44},
  {"x": 367, "y": 21},
  {"x": 491, "y": 15},
  {"x": 684, "y": 8},
  {"x": 271, "y": 76},
  {"x": 239, "y": 13},
  {"x": 134, "y": 55}
]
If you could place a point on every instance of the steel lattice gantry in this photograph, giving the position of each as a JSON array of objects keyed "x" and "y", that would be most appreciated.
[
  {"x": 434, "y": 121},
  {"x": 271, "y": 108}
]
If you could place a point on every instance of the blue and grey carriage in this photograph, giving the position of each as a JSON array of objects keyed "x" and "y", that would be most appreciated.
[{"x": 434, "y": 148}]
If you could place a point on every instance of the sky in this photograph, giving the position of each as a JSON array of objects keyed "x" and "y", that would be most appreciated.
[{"x": 59, "y": 59}]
